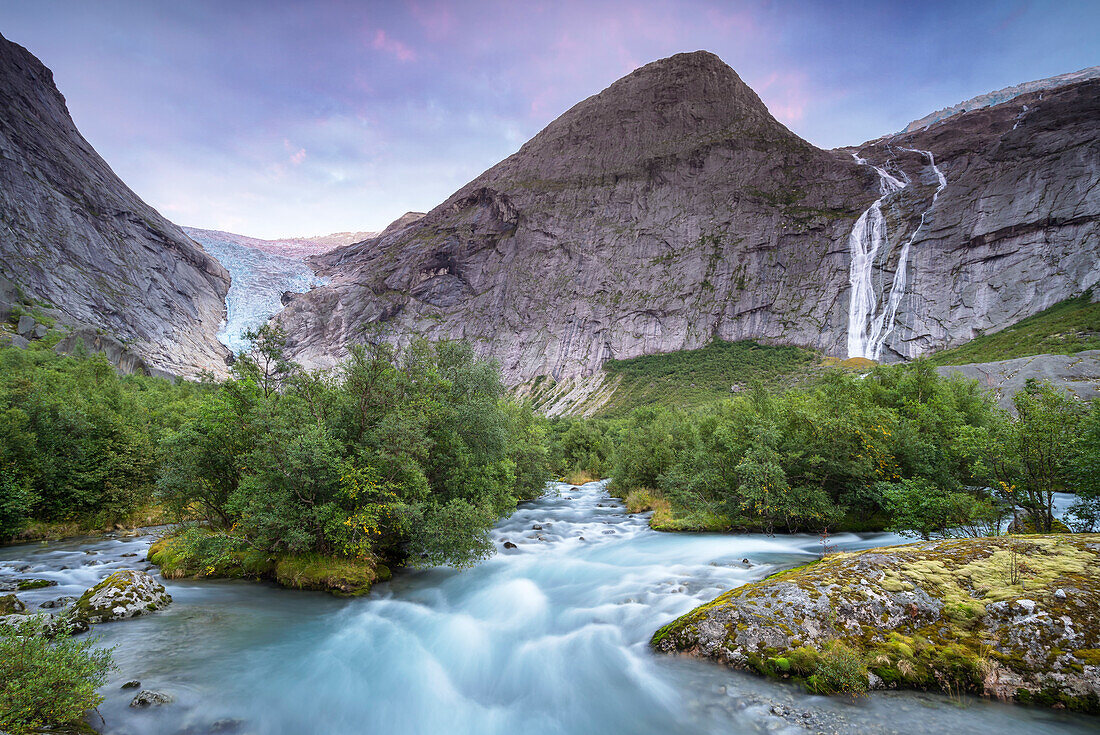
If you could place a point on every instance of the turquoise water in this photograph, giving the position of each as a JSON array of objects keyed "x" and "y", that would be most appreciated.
[{"x": 550, "y": 637}]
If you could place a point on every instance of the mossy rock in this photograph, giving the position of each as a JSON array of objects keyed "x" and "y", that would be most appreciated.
[
  {"x": 1008, "y": 617},
  {"x": 125, "y": 594},
  {"x": 11, "y": 605}
]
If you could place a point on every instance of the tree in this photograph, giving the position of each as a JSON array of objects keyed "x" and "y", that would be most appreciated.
[
  {"x": 265, "y": 362},
  {"x": 1084, "y": 473},
  {"x": 1035, "y": 450}
]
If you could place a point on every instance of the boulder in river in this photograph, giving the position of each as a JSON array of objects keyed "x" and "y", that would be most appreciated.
[
  {"x": 44, "y": 624},
  {"x": 10, "y": 605},
  {"x": 1011, "y": 617},
  {"x": 150, "y": 698},
  {"x": 124, "y": 594}
]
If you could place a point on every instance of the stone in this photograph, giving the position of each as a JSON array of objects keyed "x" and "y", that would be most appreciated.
[
  {"x": 59, "y": 602},
  {"x": 150, "y": 698},
  {"x": 40, "y": 331},
  {"x": 11, "y": 604},
  {"x": 45, "y": 624},
  {"x": 671, "y": 209},
  {"x": 34, "y": 584},
  {"x": 1060, "y": 594},
  {"x": 25, "y": 326},
  {"x": 78, "y": 238},
  {"x": 125, "y": 594},
  {"x": 131, "y": 685},
  {"x": 509, "y": 545},
  {"x": 946, "y": 600},
  {"x": 20, "y": 342}
]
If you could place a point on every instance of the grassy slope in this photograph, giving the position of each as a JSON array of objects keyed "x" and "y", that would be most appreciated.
[
  {"x": 690, "y": 378},
  {"x": 1063, "y": 329}
]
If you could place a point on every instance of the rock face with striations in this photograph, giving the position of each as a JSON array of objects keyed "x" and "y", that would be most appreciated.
[
  {"x": 75, "y": 240},
  {"x": 672, "y": 209},
  {"x": 666, "y": 211}
]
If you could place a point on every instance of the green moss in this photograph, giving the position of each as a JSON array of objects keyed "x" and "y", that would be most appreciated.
[
  {"x": 35, "y": 584},
  {"x": 951, "y": 651},
  {"x": 341, "y": 576}
]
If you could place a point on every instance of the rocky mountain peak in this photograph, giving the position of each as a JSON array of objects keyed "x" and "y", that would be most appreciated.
[
  {"x": 668, "y": 108},
  {"x": 76, "y": 241}
]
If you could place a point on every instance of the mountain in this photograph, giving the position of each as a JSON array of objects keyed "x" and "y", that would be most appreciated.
[
  {"x": 79, "y": 248},
  {"x": 672, "y": 209},
  {"x": 665, "y": 211}
]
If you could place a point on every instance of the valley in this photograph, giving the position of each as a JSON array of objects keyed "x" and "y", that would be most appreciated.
[{"x": 668, "y": 379}]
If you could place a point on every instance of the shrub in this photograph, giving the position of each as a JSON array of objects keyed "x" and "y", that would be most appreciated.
[
  {"x": 838, "y": 670},
  {"x": 46, "y": 683}
]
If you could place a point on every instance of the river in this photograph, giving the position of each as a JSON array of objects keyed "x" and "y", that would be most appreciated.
[{"x": 549, "y": 637}]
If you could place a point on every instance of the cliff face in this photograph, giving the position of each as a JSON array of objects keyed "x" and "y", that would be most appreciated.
[
  {"x": 672, "y": 209},
  {"x": 1016, "y": 229},
  {"x": 666, "y": 211},
  {"x": 74, "y": 239}
]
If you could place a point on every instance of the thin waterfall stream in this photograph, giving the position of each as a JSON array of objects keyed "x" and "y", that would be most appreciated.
[
  {"x": 869, "y": 241},
  {"x": 548, "y": 637}
]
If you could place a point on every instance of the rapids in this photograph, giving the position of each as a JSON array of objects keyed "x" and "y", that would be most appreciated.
[{"x": 549, "y": 637}]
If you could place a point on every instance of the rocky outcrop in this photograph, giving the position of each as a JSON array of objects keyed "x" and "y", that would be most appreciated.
[
  {"x": 1010, "y": 617},
  {"x": 82, "y": 248},
  {"x": 665, "y": 211},
  {"x": 672, "y": 209},
  {"x": 124, "y": 594},
  {"x": 1077, "y": 374},
  {"x": 1015, "y": 231}
]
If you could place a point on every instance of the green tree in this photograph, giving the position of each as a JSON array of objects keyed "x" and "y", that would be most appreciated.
[{"x": 1033, "y": 458}]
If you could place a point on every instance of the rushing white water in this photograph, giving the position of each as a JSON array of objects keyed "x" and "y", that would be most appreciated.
[
  {"x": 869, "y": 326},
  {"x": 549, "y": 637}
]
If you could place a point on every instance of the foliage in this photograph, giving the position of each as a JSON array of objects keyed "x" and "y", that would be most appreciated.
[
  {"x": 1064, "y": 329},
  {"x": 411, "y": 456},
  {"x": 846, "y": 450},
  {"x": 692, "y": 378},
  {"x": 47, "y": 682},
  {"x": 77, "y": 440},
  {"x": 1033, "y": 457}
]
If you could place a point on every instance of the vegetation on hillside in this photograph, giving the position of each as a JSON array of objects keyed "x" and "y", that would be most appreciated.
[
  {"x": 900, "y": 448},
  {"x": 1064, "y": 329},
  {"x": 692, "y": 378}
]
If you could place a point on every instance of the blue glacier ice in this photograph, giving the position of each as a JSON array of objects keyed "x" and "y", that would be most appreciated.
[{"x": 259, "y": 280}]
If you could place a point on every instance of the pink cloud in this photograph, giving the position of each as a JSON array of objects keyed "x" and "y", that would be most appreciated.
[
  {"x": 392, "y": 46},
  {"x": 297, "y": 155},
  {"x": 435, "y": 18},
  {"x": 785, "y": 95}
]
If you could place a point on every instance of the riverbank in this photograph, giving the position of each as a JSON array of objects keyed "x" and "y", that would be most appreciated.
[
  {"x": 1013, "y": 618},
  {"x": 177, "y": 558}
]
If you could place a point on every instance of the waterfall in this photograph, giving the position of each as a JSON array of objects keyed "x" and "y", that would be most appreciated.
[
  {"x": 867, "y": 331},
  {"x": 867, "y": 238}
]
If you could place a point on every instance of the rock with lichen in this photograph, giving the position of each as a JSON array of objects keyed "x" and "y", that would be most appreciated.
[
  {"x": 1015, "y": 618},
  {"x": 124, "y": 594}
]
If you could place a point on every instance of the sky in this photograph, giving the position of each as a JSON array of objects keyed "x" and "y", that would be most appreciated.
[{"x": 277, "y": 119}]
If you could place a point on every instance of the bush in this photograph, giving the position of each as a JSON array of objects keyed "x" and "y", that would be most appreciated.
[
  {"x": 47, "y": 683},
  {"x": 838, "y": 670}
]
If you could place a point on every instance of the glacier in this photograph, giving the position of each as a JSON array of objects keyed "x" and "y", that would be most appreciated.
[{"x": 259, "y": 278}]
